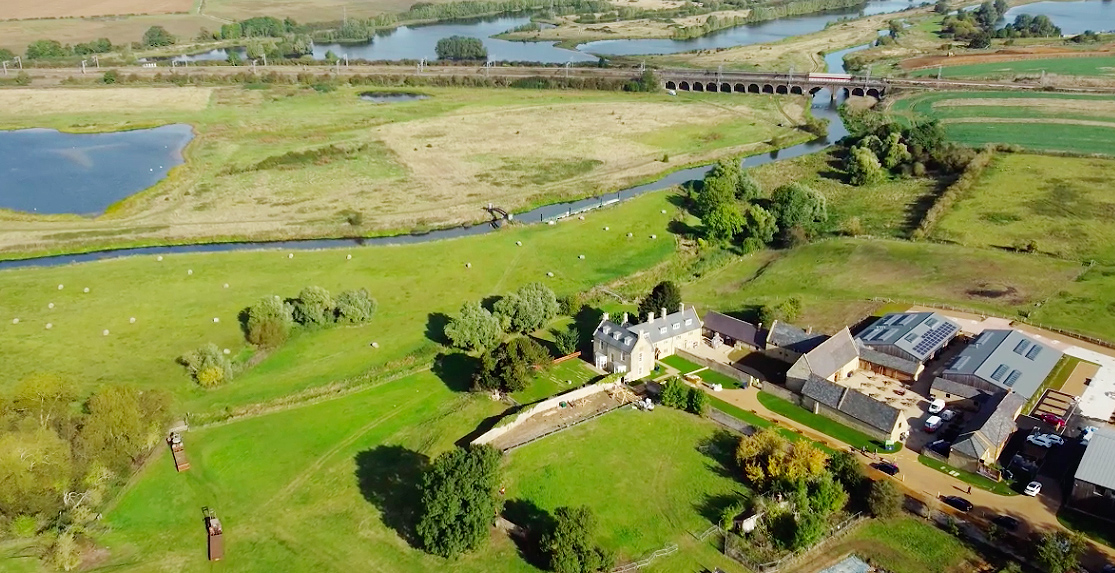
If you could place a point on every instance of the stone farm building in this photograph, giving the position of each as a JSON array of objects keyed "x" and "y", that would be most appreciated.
[
  {"x": 912, "y": 338},
  {"x": 1000, "y": 361},
  {"x": 987, "y": 433},
  {"x": 723, "y": 329},
  {"x": 787, "y": 342},
  {"x": 631, "y": 349},
  {"x": 830, "y": 377},
  {"x": 1093, "y": 489}
]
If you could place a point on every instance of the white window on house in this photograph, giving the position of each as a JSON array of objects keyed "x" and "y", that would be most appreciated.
[
  {"x": 622, "y": 357},
  {"x": 677, "y": 325},
  {"x": 642, "y": 357},
  {"x": 662, "y": 330},
  {"x": 689, "y": 322}
]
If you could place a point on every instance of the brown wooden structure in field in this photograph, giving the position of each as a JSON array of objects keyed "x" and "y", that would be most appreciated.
[
  {"x": 178, "y": 450},
  {"x": 215, "y": 534}
]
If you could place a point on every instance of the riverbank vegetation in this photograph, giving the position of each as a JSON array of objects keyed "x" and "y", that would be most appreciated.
[{"x": 390, "y": 168}]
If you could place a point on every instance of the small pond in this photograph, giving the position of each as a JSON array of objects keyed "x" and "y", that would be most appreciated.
[
  {"x": 47, "y": 171},
  {"x": 391, "y": 97}
]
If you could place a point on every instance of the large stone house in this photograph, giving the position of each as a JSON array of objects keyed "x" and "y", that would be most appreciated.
[
  {"x": 1093, "y": 489},
  {"x": 1001, "y": 361},
  {"x": 631, "y": 349}
]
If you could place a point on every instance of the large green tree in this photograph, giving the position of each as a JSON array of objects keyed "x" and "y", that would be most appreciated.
[
  {"x": 355, "y": 306},
  {"x": 796, "y": 206},
  {"x": 664, "y": 295},
  {"x": 511, "y": 366},
  {"x": 474, "y": 328},
  {"x": 45, "y": 398},
  {"x": 571, "y": 545},
  {"x": 528, "y": 308},
  {"x": 863, "y": 167},
  {"x": 35, "y": 471},
  {"x": 269, "y": 321},
  {"x": 723, "y": 222},
  {"x": 458, "y": 503},
  {"x": 1059, "y": 551},
  {"x": 885, "y": 500},
  {"x": 759, "y": 227},
  {"x": 122, "y": 423},
  {"x": 460, "y": 48},
  {"x": 157, "y": 36},
  {"x": 314, "y": 307}
]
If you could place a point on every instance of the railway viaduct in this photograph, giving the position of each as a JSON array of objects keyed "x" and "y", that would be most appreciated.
[{"x": 768, "y": 83}]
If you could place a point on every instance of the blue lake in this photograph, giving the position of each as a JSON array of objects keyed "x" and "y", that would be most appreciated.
[
  {"x": 1072, "y": 17},
  {"x": 47, "y": 171}
]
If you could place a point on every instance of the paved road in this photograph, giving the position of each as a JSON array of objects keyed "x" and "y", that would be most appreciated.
[{"x": 1036, "y": 513}]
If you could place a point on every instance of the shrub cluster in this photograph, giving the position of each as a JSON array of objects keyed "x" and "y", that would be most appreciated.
[
  {"x": 523, "y": 311},
  {"x": 951, "y": 194},
  {"x": 208, "y": 366},
  {"x": 676, "y": 394},
  {"x": 269, "y": 321}
]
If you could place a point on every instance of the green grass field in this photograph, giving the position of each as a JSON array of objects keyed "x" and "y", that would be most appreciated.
[
  {"x": 1078, "y": 66},
  {"x": 402, "y": 166},
  {"x": 682, "y": 365},
  {"x": 1036, "y": 121},
  {"x": 850, "y": 436},
  {"x": 562, "y": 377},
  {"x": 416, "y": 286},
  {"x": 907, "y": 545},
  {"x": 1062, "y": 204}
]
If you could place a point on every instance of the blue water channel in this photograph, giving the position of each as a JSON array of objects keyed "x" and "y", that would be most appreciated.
[
  {"x": 50, "y": 172},
  {"x": 1072, "y": 17}
]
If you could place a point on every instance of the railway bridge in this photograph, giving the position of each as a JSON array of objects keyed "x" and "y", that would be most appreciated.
[{"x": 771, "y": 83}]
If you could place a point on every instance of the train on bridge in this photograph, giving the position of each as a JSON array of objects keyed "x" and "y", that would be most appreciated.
[{"x": 773, "y": 83}]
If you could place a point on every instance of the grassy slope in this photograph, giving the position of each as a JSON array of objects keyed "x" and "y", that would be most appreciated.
[
  {"x": 836, "y": 278},
  {"x": 1064, "y": 205},
  {"x": 1086, "y": 66},
  {"x": 175, "y": 311},
  {"x": 1011, "y": 123},
  {"x": 850, "y": 436},
  {"x": 908, "y": 545},
  {"x": 553, "y": 381}
]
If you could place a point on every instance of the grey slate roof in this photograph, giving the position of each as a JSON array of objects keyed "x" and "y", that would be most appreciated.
[
  {"x": 886, "y": 360},
  {"x": 1008, "y": 359},
  {"x": 830, "y": 355},
  {"x": 853, "y": 403},
  {"x": 917, "y": 334},
  {"x": 955, "y": 388},
  {"x": 792, "y": 338},
  {"x": 991, "y": 427},
  {"x": 624, "y": 337},
  {"x": 1098, "y": 464},
  {"x": 735, "y": 328}
]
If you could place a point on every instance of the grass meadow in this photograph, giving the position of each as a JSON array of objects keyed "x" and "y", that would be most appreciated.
[
  {"x": 289, "y": 162},
  {"x": 1074, "y": 66},
  {"x": 1062, "y": 204},
  {"x": 905, "y": 545},
  {"x": 416, "y": 286},
  {"x": 1036, "y": 121}
]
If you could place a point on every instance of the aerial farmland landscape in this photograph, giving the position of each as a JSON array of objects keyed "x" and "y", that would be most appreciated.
[{"x": 743, "y": 286}]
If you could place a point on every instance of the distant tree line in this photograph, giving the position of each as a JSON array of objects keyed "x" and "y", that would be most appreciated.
[{"x": 978, "y": 26}]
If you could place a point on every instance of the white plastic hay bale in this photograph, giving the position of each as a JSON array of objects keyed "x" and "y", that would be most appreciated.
[
  {"x": 580, "y": 257},
  {"x": 581, "y": 217},
  {"x": 549, "y": 222},
  {"x": 663, "y": 211},
  {"x": 15, "y": 321},
  {"x": 132, "y": 320},
  {"x": 50, "y": 305},
  {"x": 227, "y": 351},
  {"x": 49, "y": 326},
  {"x": 104, "y": 332},
  {"x": 375, "y": 345},
  {"x": 226, "y": 285},
  {"x": 518, "y": 243},
  {"x": 348, "y": 257},
  {"x": 290, "y": 255},
  {"x": 629, "y": 235},
  {"x": 60, "y": 287},
  {"x": 86, "y": 290},
  {"x": 216, "y": 319},
  {"x": 654, "y": 236},
  {"x": 189, "y": 271},
  {"x": 468, "y": 265},
  {"x": 606, "y": 228},
  {"x": 159, "y": 258},
  {"x": 549, "y": 274}
]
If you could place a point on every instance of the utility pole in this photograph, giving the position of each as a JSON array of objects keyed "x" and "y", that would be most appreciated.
[
  {"x": 265, "y": 60},
  {"x": 19, "y": 61},
  {"x": 97, "y": 61},
  {"x": 346, "y": 60},
  {"x": 83, "y": 67},
  {"x": 568, "y": 66},
  {"x": 5, "y": 63},
  {"x": 939, "y": 68}
]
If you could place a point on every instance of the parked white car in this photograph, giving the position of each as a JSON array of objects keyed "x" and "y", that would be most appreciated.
[
  {"x": 932, "y": 424},
  {"x": 1086, "y": 435},
  {"x": 936, "y": 406},
  {"x": 1040, "y": 440},
  {"x": 947, "y": 415},
  {"x": 1032, "y": 489}
]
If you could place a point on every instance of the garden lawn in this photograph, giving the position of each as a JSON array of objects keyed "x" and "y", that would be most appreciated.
[
  {"x": 906, "y": 545},
  {"x": 976, "y": 480},
  {"x": 849, "y": 436},
  {"x": 1077, "y": 66},
  {"x": 562, "y": 377},
  {"x": 644, "y": 477},
  {"x": 680, "y": 364},
  {"x": 416, "y": 286},
  {"x": 1062, "y": 205},
  {"x": 711, "y": 376},
  {"x": 1036, "y": 121}
]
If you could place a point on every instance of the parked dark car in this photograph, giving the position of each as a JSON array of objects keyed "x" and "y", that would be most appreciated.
[
  {"x": 888, "y": 468},
  {"x": 958, "y": 502},
  {"x": 1006, "y": 522}
]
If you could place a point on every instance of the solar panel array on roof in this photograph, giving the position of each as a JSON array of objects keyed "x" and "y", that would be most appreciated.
[
  {"x": 1014, "y": 376},
  {"x": 934, "y": 337}
]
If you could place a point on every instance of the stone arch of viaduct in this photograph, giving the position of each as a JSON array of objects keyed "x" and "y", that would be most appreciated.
[{"x": 769, "y": 87}]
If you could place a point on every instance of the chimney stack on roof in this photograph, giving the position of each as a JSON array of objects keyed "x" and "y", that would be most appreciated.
[
  {"x": 606, "y": 317},
  {"x": 650, "y": 316},
  {"x": 663, "y": 313},
  {"x": 681, "y": 307},
  {"x": 624, "y": 323}
]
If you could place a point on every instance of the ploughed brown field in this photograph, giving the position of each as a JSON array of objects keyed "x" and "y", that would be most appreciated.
[{"x": 24, "y": 9}]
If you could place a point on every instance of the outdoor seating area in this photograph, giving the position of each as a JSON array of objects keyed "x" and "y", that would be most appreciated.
[{"x": 884, "y": 389}]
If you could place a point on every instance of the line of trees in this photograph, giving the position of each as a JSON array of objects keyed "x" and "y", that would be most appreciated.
[
  {"x": 58, "y": 460},
  {"x": 154, "y": 37},
  {"x": 523, "y": 311}
]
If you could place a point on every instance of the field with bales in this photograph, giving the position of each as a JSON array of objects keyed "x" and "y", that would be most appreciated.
[
  {"x": 289, "y": 162},
  {"x": 1102, "y": 66}
]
